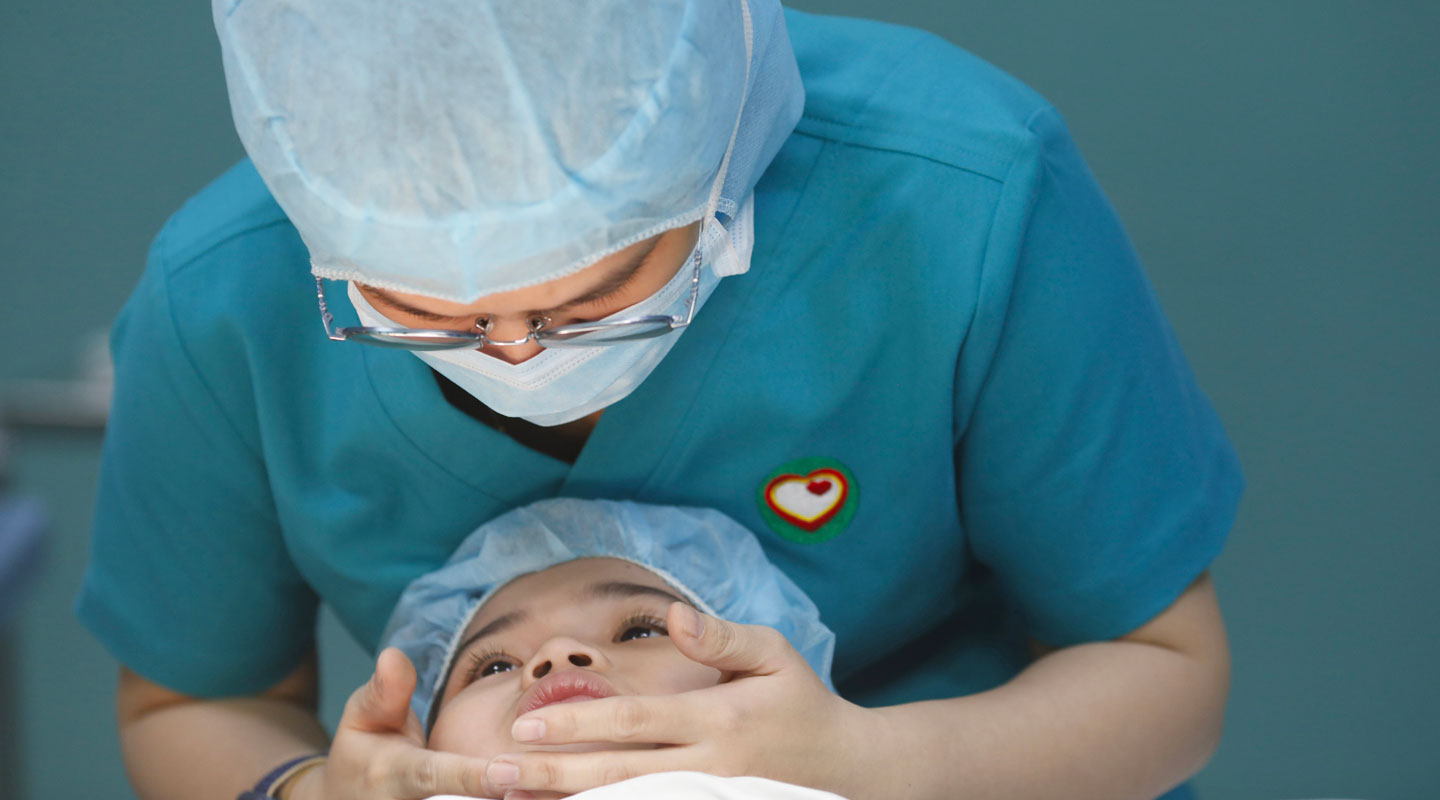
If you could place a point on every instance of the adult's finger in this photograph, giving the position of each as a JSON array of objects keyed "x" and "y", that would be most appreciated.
[
  {"x": 383, "y": 703},
  {"x": 661, "y": 719},
  {"x": 727, "y": 646},
  {"x": 567, "y": 773},
  {"x": 425, "y": 773}
]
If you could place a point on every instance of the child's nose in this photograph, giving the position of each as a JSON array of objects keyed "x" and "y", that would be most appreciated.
[
  {"x": 542, "y": 669},
  {"x": 559, "y": 653}
]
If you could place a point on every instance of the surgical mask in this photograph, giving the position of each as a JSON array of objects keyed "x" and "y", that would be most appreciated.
[{"x": 560, "y": 385}]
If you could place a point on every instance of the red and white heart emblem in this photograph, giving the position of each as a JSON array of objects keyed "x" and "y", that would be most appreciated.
[{"x": 807, "y": 501}]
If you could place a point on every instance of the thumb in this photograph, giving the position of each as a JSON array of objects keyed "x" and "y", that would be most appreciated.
[
  {"x": 383, "y": 703},
  {"x": 727, "y": 646}
]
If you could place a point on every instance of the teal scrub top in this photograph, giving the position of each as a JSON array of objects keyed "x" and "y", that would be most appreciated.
[{"x": 944, "y": 397}]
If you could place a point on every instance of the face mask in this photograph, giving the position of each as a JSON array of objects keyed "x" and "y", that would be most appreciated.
[{"x": 564, "y": 384}]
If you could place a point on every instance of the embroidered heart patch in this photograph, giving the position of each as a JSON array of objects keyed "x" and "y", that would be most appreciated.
[{"x": 808, "y": 500}]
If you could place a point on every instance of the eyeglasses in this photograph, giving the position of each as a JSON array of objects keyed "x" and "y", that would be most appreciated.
[{"x": 579, "y": 334}]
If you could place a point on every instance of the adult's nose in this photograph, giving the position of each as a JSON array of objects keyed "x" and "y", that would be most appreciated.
[
  {"x": 562, "y": 652},
  {"x": 510, "y": 330}
]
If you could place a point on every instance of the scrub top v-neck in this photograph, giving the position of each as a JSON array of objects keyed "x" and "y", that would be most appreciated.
[{"x": 560, "y": 444}]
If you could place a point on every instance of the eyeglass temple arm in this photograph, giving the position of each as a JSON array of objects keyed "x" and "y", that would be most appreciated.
[
  {"x": 694, "y": 295},
  {"x": 325, "y": 317}
]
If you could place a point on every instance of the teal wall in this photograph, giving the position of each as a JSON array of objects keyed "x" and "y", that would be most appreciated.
[{"x": 1276, "y": 164}]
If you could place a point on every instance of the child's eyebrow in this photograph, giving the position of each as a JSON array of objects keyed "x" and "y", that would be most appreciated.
[
  {"x": 625, "y": 589},
  {"x": 602, "y": 589},
  {"x": 498, "y": 625}
]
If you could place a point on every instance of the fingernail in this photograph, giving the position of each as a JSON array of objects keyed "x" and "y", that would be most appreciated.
[
  {"x": 528, "y": 730},
  {"x": 502, "y": 773},
  {"x": 692, "y": 622}
]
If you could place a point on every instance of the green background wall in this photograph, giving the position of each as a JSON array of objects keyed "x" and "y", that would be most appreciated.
[{"x": 1276, "y": 164}]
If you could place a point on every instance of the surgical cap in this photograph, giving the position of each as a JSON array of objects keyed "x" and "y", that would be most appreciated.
[
  {"x": 459, "y": 148},
  {"x": 706, "y": 556}
]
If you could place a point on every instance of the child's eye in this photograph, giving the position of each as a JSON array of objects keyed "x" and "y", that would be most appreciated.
[
  {"x": 642, "y": 626},
  {"x": 494, "y": 668},
  {"x": 486, "y": 663}
]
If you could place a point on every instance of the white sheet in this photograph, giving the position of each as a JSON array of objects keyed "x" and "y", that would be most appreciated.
[{"x": 695, "y": 786}]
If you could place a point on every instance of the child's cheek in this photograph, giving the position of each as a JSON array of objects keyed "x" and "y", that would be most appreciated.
[
  {"x": 686, "y": 676},
  {"x": 472, "y": 725}
]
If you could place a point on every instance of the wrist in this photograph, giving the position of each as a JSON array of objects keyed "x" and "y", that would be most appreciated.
[
  {"x": 894, "y": 759},
  {"x": 873, "y": 747},
  {"x": 279, "y": 782},
  {"x": 305, "y": 784}
]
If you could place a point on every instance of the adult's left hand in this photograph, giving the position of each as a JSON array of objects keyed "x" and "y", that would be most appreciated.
[{"x": 773, "y": 719}]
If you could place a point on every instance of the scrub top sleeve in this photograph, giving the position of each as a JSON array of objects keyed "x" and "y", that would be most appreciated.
[
  {"x": 1094, "y": 477},
  {"x": 189, "y": 583}
]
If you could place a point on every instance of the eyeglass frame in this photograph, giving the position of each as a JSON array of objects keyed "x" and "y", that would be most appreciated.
[{"x": 480, "y": 339}]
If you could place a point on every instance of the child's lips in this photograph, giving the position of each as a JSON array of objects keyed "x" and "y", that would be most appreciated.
[{"x": 570, "y": 685}]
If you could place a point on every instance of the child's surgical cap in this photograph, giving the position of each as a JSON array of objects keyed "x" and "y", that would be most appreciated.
[
  {"x": 706, "y": 556},
  {"x": 459, "y": 148}
]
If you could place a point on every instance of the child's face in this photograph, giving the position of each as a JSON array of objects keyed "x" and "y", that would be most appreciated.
[{"x": 584, "y": 629}]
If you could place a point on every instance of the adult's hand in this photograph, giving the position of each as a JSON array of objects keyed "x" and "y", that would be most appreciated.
[
  {"x": 379, "y": 748},
  {"x": 773, "y": 718}
]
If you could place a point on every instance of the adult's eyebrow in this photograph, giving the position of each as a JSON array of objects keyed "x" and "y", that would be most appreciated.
[
  {"x": 500, "y": 624},
  {"x": 625, "y": 589},
  {"x": 391, "y": 300},
  {"x": 614, "y": 280}
]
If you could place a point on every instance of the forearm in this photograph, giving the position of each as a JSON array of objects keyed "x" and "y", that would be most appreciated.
[
  {"x": 177, "y": 746},
  {"x": 215, "y": 748},
  {"x": 1129, "y": 718},
  {"x": 1111, "y": 720}
]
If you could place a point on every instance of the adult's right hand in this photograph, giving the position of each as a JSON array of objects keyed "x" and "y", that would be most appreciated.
[{"x": 378, "y": 752}]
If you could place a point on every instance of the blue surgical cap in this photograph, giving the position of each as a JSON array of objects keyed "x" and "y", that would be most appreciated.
[
  {"x": 706, "y": 556},
  {"x": 459, "y": 148}
]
